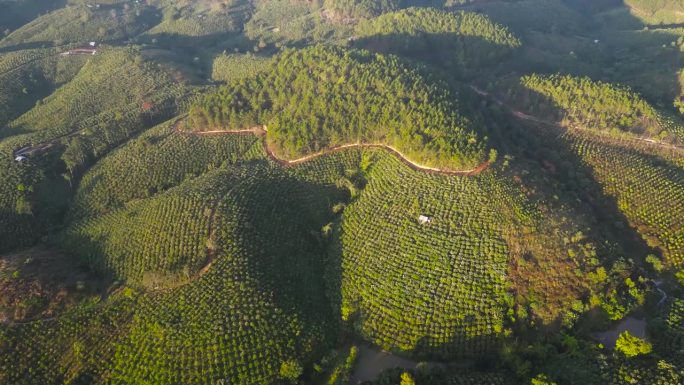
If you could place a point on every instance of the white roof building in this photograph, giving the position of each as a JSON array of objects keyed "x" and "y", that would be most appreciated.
[{"x": 423, "y": 219}]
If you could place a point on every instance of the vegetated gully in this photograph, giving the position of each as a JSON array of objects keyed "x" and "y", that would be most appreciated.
[{"x": 372, "y": 361}]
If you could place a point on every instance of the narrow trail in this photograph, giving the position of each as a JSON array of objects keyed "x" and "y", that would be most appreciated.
[
  {"x": 261, "y": 131},
  {"x": 523, "y": 116}
]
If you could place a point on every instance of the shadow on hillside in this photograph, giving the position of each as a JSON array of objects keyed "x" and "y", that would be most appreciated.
[
  {"x": 625, "y": 53},
  {"x": 550, "y": 171},
  {"x": 23, "y": 46},
  {"x": 217, "y": 42},
  {"x": 14, "y": 14},
  {"x": 553, "y": 164},
  {"x": 453, "y": 52},
  {"x": 193, "y": 55},
  {"x": 280, "y": 220},
  {"x": 16, "y": 230}
]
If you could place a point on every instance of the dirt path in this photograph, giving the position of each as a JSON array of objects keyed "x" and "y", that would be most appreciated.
[
  {"x": 262, "y": 130},
  {"x": 523, "y": 116}
]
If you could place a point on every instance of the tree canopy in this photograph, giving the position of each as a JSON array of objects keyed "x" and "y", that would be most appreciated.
[
  {"x": 632, "y": 346},
  {"x": 322, "y": 97},
  {"x": 594, "y": 104}
]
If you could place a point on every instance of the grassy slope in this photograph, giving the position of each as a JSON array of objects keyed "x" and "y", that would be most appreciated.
[
  {"x": 28, "y": 75},
  {"x": 81, "y": 24},
  {"x": 112, "y": 83}
]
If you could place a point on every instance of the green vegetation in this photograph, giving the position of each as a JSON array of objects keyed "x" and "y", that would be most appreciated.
[
  {"x": 632, "y": 346},
  {"x": 434, "y": 289},
  {"x": 114, "y": 83},
  {"x": 406, "y": 379},
  {"x": 233, "y": 67},
  {"x": 590, "y": 105},
  {"x": 81, "y": 24},
  {"x": 144, "y": 241},
  {"x": 629, "y": 176},
  {"x": 461, "y": 42},
  {"x": 533, "y": 16},
  {"x": 422, "y": 376},
  {"x": 144, "y": 216},
  {"x": 371, "y": 8},
  {"x": 29, "y": 75},
  {"x": 186, "y": 23},
  {"x": 341, "y": 373},
  {"x": 285, "y": 23},
  {"x": 39, "y": 282},
  {"x": 127, "y": 95},
  {"x": 395, "y": 105},
  {"x": 15, "y": 13}
]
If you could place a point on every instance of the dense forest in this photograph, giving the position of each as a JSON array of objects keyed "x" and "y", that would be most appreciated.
[
  {"x": 322, "y": 97},
  {"x": 341, "y": 192}
]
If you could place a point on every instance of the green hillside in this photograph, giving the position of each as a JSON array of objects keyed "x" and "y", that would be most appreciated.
[
  {"x": 433, "y": 289},
  {"x": 338, "y": 192},
  {"x": 264, "y": 263},
  {"x": 369, "y": 8},
  {"x": 228, "y": 68},
  {"x": 631, "y": 175},
  {"x": 528, "y": 16},
  {"x": 82, "y": 24},
  {"x": 188, "y": 23},
  {"x": 121, "y": 249},
  {"x": 315, "y": 113},
  {"x": 28, "y": 75},
  {"x": 128, "y": 95},
  {"x": 457, "y": 41},
  {"x": 593, "y": 105}
]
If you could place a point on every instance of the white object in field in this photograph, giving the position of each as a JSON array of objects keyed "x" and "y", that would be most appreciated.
[
  {"x": 92, "y": 44},
  {"x": 424, "y": 219},
  {"x": 21, "y": 159}
]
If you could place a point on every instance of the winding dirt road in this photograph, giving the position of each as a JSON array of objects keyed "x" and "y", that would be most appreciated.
[{"x": 262, "y": 130}]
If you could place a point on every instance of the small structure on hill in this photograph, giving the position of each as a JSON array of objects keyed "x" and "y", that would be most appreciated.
[
  {"x": 20, "y": 159},
  {"x": 424, "y": 219}
]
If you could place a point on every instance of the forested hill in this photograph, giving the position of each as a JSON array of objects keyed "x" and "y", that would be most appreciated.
[
  {"x": 322, "y": 97},
  {"x": 459, "y": 41},
  {"x": 592, "y": 104}
]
